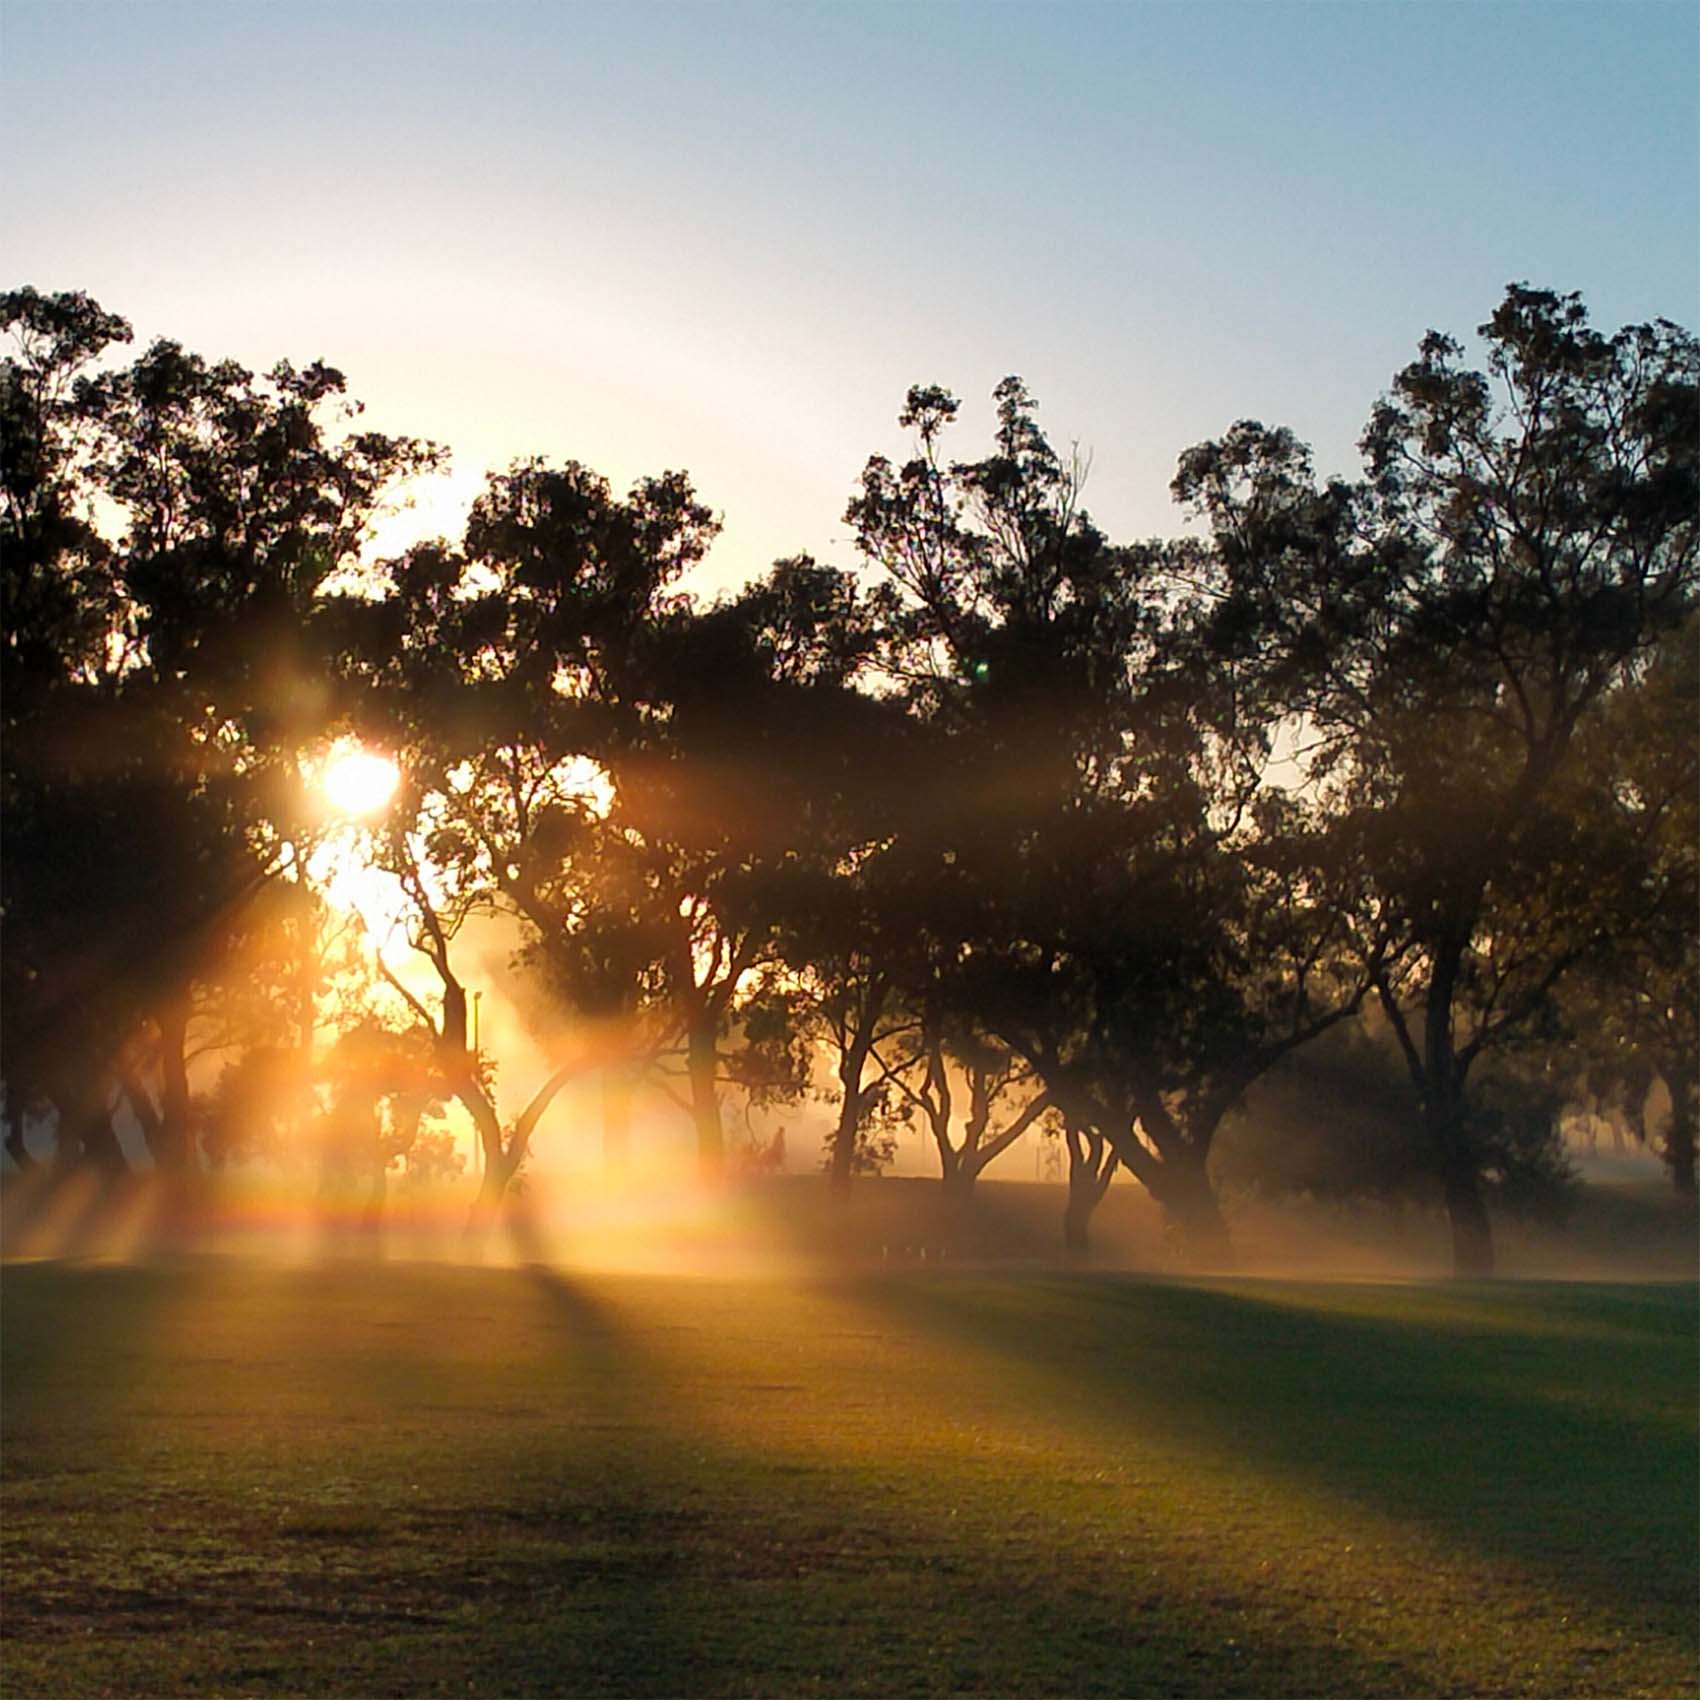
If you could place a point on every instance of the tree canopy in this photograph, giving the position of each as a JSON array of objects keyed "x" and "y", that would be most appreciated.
[{"x": 1001, "y": 826}]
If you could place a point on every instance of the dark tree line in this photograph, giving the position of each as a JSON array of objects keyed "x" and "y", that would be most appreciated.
[{"x": 1008, "y": 826}]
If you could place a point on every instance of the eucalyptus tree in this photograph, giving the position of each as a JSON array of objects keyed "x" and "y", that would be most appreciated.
[
  {"x": 161, "y": 674},
  {"x": 501, "y": 676},
  {"x": 1443, "y": 628},
  {"x": 992, "y": 576},
  {"x": 1657, "y": 962},
  {"x": 242, "y": 499},
  {"x": 846, "y": 894},
  {"x": 842, "y": 986},
  {"x": 58, "y": 613},
  {"x": 1153, "y": 982},
  {"x": 589, "y": 754},
  {"x": 1109, "y": 905},
  {"x": 632, "y": 894},
  {"x": 760, "y": 817}
]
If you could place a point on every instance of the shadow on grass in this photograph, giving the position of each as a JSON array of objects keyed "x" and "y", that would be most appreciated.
[
  {"x": 1568, "y": 1450},
  {"x": 759, "y": 1567},
  {"x": 391, "y": 1480},
  {"x": 75, "y": 1337},
  {"x": 613, "y": 1551},
  {"x": 396, "y": 1479}
]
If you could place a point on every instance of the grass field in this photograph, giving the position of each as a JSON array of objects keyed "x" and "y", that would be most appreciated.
[{"x": 230, "y": 1477}]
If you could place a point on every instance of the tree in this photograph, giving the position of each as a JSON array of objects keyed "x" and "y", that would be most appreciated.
[
  {"x": 760, "y": 790},
  {"x": 526, "y": 687},
  {"x": 1443, "y": 628},
  {"x": 58, "y": 612},
  {"x": 159, "y": 685},
  {"x": 1107, "y": 903},
  {"x": 843, "y": 971},
  {"x": 441, "y": 897}
]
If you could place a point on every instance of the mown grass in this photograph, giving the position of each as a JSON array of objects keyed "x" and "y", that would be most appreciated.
[{"x": 233, "y": 1478}]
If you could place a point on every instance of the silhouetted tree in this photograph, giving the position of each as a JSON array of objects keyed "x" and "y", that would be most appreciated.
[
  {"x": 58, "y": 615},
  {"x": 1109, "y": 906},
  {"x": 1443, "y": 628}
]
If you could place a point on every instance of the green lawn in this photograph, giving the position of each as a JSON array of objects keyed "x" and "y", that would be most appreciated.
[{"x": 234, "y": 1478}]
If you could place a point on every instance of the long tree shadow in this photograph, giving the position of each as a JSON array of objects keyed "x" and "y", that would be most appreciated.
[
  {"x": 72, "y": 1336},
  {"x": 523, "y": 1482},
  {"x": 631, "y": 1519},
  {"x": 1569, "y": 1449},
  {"x": 613, "y": 1545},
  {"x": 719, "y": 1521}
]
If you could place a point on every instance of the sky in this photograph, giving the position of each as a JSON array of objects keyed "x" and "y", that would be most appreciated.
[{"x": 729, "y": 237}]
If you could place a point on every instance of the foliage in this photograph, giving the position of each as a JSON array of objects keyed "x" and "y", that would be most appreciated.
[
  {"x": 1014, "y": 826},
  {"x": 1443, "y": 631}
]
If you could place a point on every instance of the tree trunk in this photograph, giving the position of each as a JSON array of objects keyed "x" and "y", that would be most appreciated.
[
  {"x": 1444, "y": 1111},
  {"x": 94, "y": 1141},
  {"x": 1190, "y": 1209},
  {"x": 1460, "y": 1179},
  {"x": 1077, "y": 1215},
  {"x": 1472, "y": 1233},
  {"x": 487, "y": 1205},
  {"x": 1090, "y": 1166},
  {"x": 377, "y": 1196},
  {"x": 862, "y": 1020},
  {"x": 148, "y": 1119},
  {"x": 1678, "y": 1153},
  {"x": 959, "y": 1184},
  {"x": 957, "y": 1180},
  {"x": 705, "y": 1102},
  {"x": 841, "y": 1168},
  {"x": 177, "y": 1149}
]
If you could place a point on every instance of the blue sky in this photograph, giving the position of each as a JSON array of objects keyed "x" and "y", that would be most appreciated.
[{"x": 728, "y": 237}]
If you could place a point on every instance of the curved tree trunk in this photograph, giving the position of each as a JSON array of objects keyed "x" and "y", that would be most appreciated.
[
  {"x": 1173, "y": 1171},
  {"x": 1190, "y": 1208},
  {"x": 487, "y": 1204},
  {"x": 1090, "y": 1165}
]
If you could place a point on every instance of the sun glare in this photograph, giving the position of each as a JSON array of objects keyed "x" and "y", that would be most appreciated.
[{"x": 360, "y": 782}]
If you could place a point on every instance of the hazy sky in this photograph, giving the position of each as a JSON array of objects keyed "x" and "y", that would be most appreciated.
[{"x": 728, "y": 237}]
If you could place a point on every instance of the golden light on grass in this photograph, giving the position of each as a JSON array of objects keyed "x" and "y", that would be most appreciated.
[{"x": 359, "y": 782}]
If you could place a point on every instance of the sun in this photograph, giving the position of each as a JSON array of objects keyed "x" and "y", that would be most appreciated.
[{"x": 359, "y": 781}]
